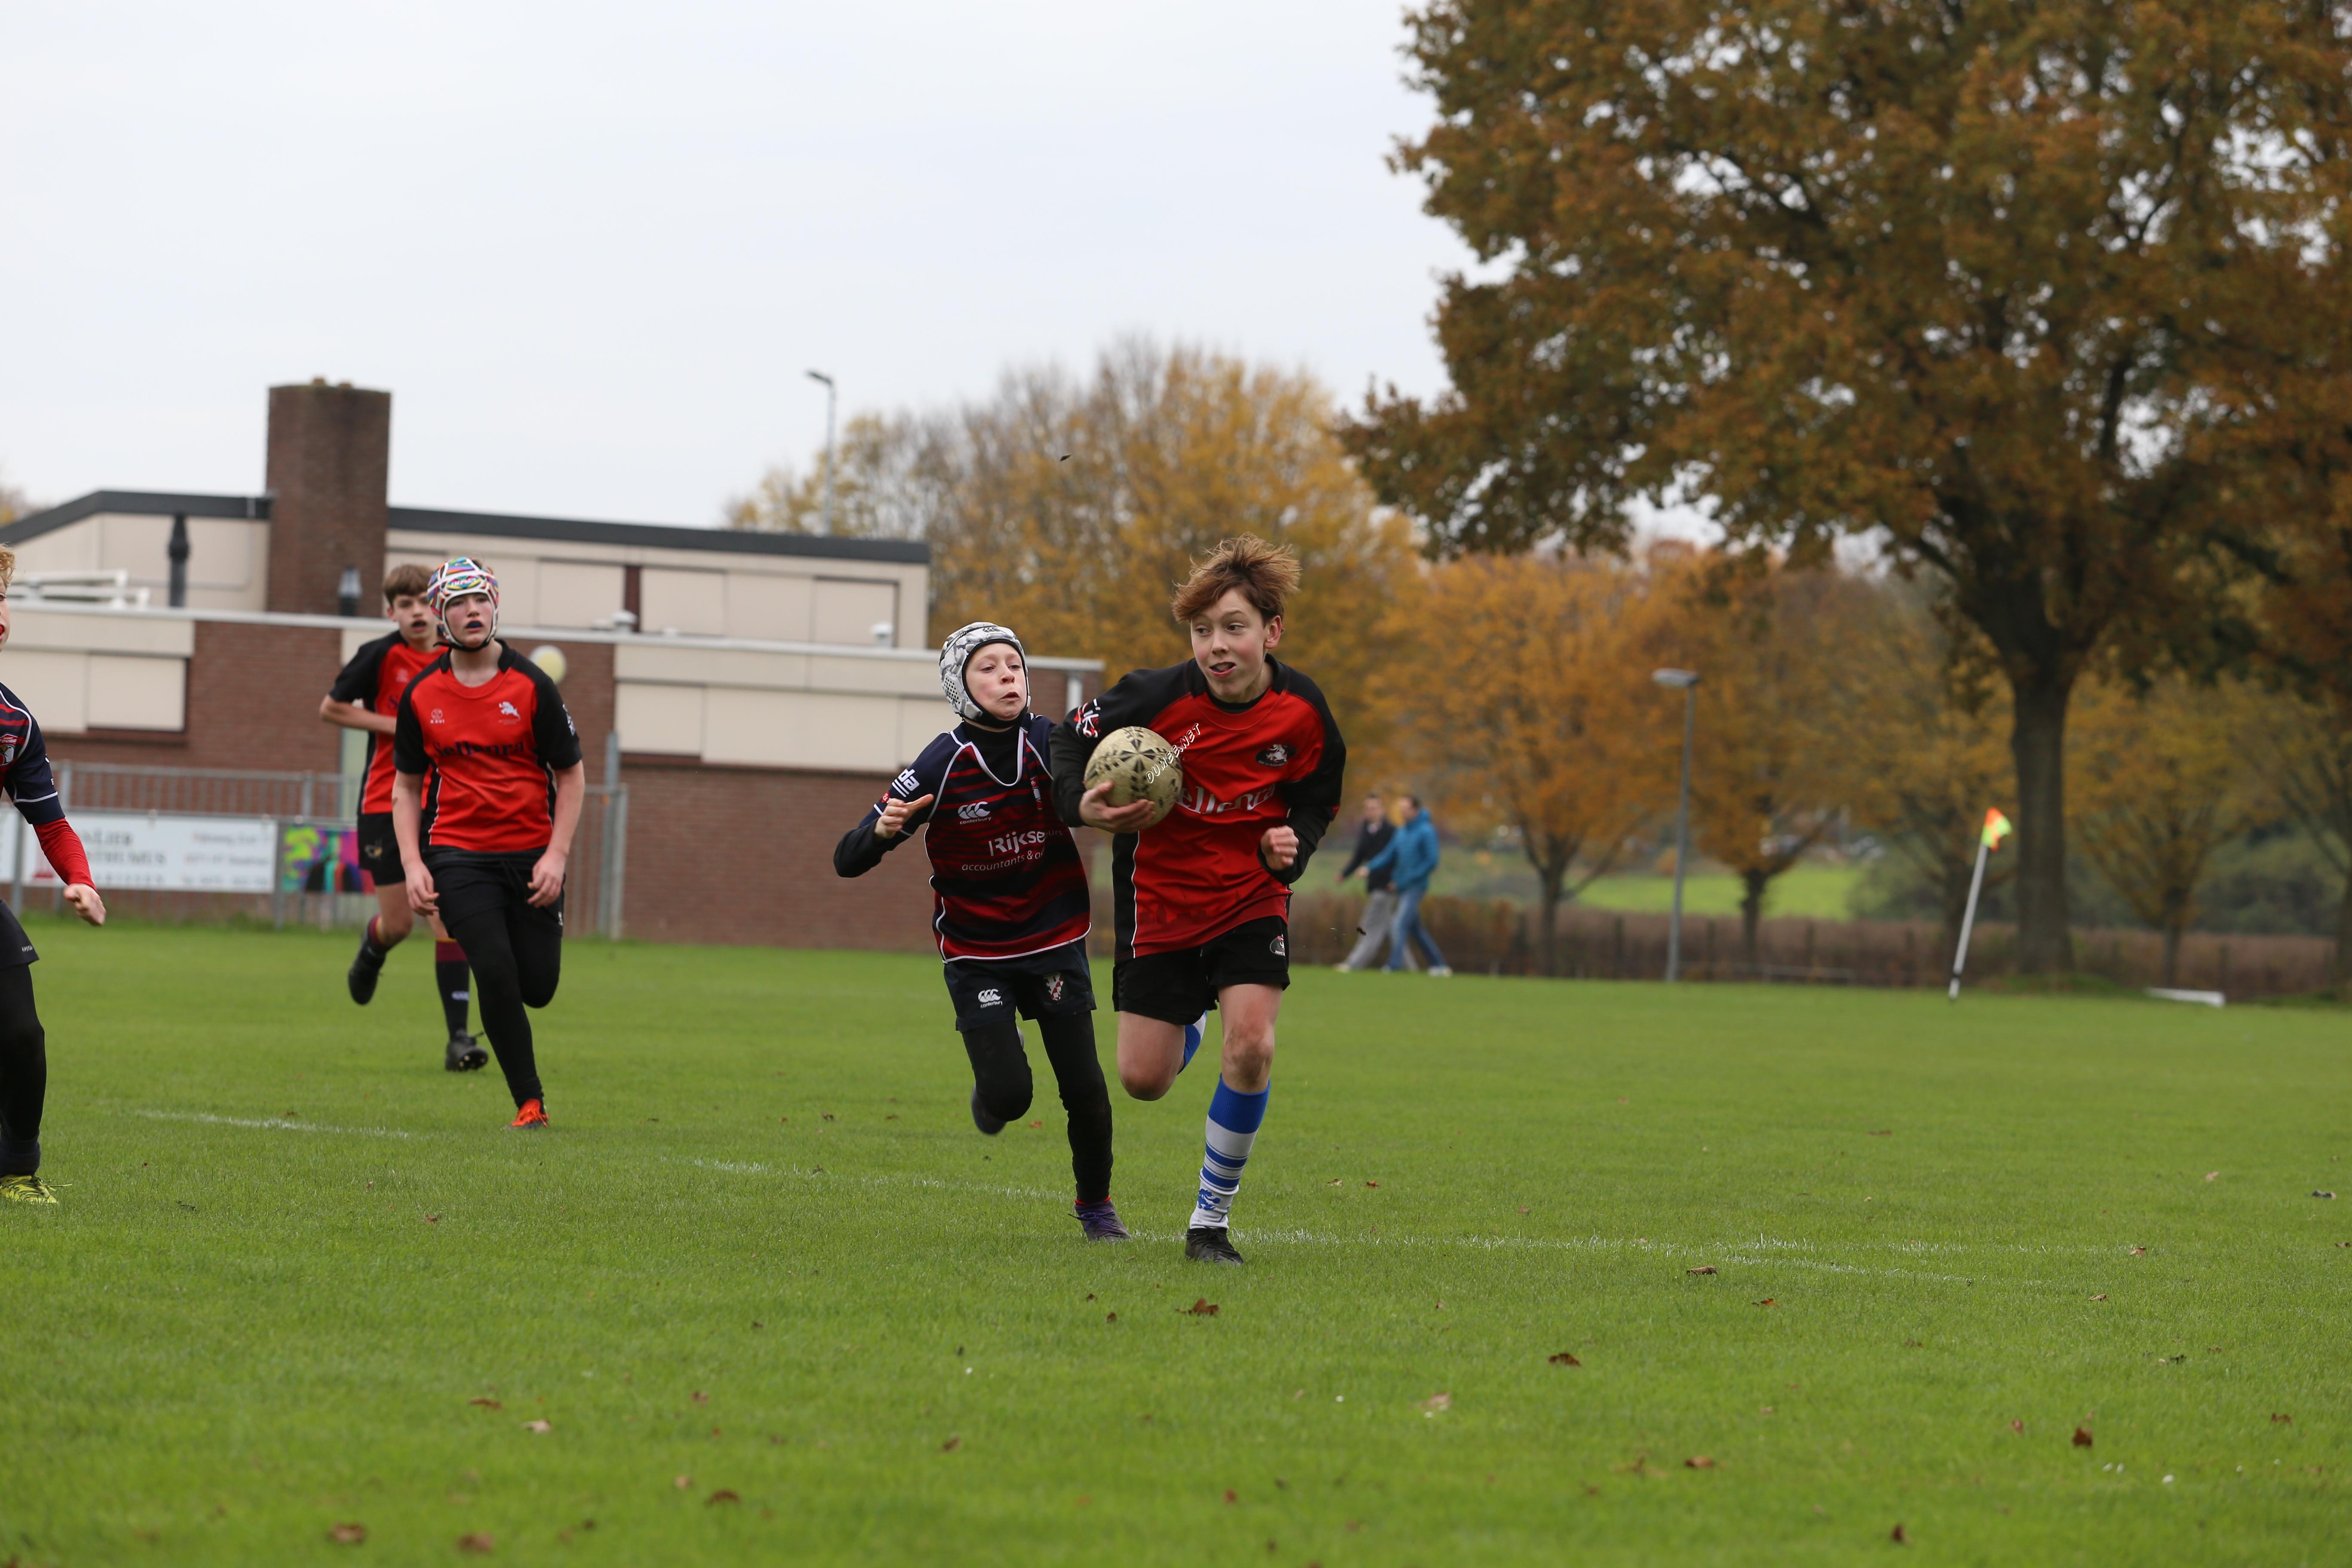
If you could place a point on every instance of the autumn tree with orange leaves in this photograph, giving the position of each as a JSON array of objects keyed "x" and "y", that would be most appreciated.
[
  {"x": 2006, "y": 288},
  {"x": 1521, "y": 699}
]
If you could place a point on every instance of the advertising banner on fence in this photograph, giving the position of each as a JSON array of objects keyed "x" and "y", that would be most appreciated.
[{"x": 157, "y": 850}]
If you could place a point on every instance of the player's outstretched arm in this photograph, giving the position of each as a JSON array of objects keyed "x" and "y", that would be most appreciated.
[
  {"x": 407, "y": 831},
  {"x": 29, "y": 783},
  {"x": 351, "y": 716}
]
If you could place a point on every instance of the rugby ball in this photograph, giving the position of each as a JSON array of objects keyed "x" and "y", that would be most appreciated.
[
  {"x": 550, "y": 661},
  {"x": 1138, "y": 765}
]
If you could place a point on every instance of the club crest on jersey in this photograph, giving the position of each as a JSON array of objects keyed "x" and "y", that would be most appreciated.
[
  {"x": 1089, "y": 720},
  {"x": 1274, "y": 756},
  {"x": 8, "y": 752},
  {"x": 507, "y": 709},
  {"x": 1054, "y": 986}
]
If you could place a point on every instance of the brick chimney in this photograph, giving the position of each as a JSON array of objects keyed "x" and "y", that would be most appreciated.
[{"x": 330, "y": 454}]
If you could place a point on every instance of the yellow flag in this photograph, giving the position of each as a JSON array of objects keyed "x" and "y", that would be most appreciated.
[{"x": 1996, "y": 828}]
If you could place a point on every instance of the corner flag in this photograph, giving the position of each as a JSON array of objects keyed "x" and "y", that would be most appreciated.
[{"x": 1996, "y": 828}]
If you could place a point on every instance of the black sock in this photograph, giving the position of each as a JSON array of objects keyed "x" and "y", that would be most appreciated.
[
  {"x": 372, "y": 952},
  {"x": 1069, "y": 1041},
  {"x": 449, "y": 978}
]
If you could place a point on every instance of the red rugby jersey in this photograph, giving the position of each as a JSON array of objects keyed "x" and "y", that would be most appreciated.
[
  {"x": 489, "y": 754},
  {"x": 374, "y": 680},
  {"x": 1198, "y": 874}
]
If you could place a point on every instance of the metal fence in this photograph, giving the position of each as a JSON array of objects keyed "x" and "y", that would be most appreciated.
[{"x": 319, "y": 887}]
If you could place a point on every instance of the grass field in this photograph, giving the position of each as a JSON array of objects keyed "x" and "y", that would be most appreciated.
[{"x": 776, "y": 1301}]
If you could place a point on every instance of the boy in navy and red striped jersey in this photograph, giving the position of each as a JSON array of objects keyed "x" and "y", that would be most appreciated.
[
  {"x": 1012, "y": 904},
  {"x": 365, "y": 697},
  {"x": 1203, "y": 899},
  {"x": 24, "y": 1046},
  {"x": 485, "y": 793}
]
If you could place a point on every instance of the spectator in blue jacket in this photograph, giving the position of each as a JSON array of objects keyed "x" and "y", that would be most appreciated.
[{"x": 1408, "y": 860}]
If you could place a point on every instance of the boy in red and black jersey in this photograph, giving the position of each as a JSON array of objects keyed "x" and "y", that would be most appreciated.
[
  {"x": 1012, "y": 906},
  {"x": 486, "y": 795},
  {"x": 23, "y": 1046},
  {"x": 365, "y": 697},
  {"x": 1204, "y": 898}
]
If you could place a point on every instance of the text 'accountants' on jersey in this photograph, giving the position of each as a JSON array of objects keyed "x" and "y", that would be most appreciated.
[
  {"x": 488, "y": 754},
  {"x": 375, "y": 678},
  {"x": 1273, "y": 761}
]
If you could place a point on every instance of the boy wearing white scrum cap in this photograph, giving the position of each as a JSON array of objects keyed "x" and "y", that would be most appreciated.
[{"x": 1012, "y": 904}]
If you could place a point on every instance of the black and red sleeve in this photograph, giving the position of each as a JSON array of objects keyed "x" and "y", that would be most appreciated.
[
  {"x": 860, "y": 850},
  {"x": 408, "y": 756},
  {"x": 34, "y": 788},
  {"x": 551, "y": 730},
  {"x": 361, "y": 679},
  {"x": 1314, "y": 796}
]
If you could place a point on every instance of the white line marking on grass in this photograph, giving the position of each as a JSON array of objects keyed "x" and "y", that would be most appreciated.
[
  {"x": 1309, "y": 1238},
  {"x": 274, "y": 1126}
]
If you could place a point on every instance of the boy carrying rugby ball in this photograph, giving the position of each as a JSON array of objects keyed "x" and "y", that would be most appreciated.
[{"x": 1203, "y": 899}]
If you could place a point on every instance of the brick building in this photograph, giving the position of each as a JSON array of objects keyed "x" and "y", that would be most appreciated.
[{"x": 761, "y": 685}]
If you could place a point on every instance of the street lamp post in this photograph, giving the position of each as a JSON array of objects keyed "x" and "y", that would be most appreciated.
[
  {"x": 1688, "y": 679},
  {"x": 825, "y": 525}
]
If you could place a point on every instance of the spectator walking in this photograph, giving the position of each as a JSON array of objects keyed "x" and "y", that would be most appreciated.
[
  {"x": 1372, "y": 836},
  {"x": 1409, "y": 859}
]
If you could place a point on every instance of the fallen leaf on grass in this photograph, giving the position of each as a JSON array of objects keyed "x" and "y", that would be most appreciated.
[
  {"x": 683, "y": 1483},
  {"x": 2100, "y": 1296},
  {"x": 1699, "y": 1462},
  {"x": 1438, "y": 1401},
  {"x": 2279, "y": 1420},
  {"x": 701, "y": 1398},
  {"x": 2318, "y": 1194},
  {"x": 2018, "y": 1427},
  {"x": 722, "y": 1495},
  {"x": 1203, "y": 1308},
  {"x": 1376, "y": 1183},
  {"x": 1111, "y": 1317},
  {"x": 1523, "y": 1208},
  {"x": 1883, "y": 1132},
  {"x": 950, "y": 1445},
  {"x": 1566, "y": 1358},
  {"x": 541, "y": 1427},
  {"x": 2140, "y": 1252},
  {"x": 1702, "y": 1269},
  {"x": 432, "y": 1219},
  {"x": 2082, "y": 1438},
  {"x": 486, "y": 1403},
  {"x": 1767, "y": 1301},
  {"x": 1898, "y": 1537},
  {"x": 348, "y": 1534},
  {"x": 2212, "y": 1176},
  {"x": 482, "y": 1540},
  {"x": 1229, "y": 1498}
]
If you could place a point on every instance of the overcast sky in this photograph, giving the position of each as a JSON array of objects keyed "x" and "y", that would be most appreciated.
[{"x": 591, "y": 247}]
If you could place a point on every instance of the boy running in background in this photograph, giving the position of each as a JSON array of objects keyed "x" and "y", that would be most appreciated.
[
  {"x": 24, "y": 1053},
  {"x": 1012, "y": 904},
  {"x": 1203, "y": 898},
  {"x": 366, "y": 696},
  {"x": 485, "y": 793}
]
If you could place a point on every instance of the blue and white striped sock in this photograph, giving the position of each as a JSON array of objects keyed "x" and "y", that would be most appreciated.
[
  {"x": 1193, "y": 1034},
  {"x": 1233, "y": 1120}
]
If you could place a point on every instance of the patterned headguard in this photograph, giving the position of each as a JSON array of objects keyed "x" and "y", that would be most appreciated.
[
  {"x": 454, "y": 580},
  {"x": 957, "y": 651}
]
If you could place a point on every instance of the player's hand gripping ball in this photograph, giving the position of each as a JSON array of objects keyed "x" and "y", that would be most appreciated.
[{"x": 1138, "y": 765}]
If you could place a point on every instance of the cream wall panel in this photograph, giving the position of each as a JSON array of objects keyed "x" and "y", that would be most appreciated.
[
  {"x": 131, "y": 693},
  {"x": 665, "y": 718},
  {"x": 848, "y": 611},
  {"x": 55, "y": 686},
  {"x": 73, "y": 548},
  {"x": 138, "y": 544},
  {"x": 919, "y": 724},
  {"x": 228, "y": 564},
  {"x": 694, "y": 602},
  {"x": 770, "y": 606},
  {"x": 801, "y": 729},
  {"x": 576, "y": 594},
  {"x": 68, "y": 632},
  {"x": 652, "y": 658},
  {"x": 905, "y": 677}
]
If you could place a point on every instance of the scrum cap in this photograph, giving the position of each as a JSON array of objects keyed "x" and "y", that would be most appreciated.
[
  {"x": 454, "y": 580},
  {"x": 956, "y": 653}
]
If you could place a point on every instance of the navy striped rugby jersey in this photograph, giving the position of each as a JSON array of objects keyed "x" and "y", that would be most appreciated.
[{"x": 1005, "y": 870}]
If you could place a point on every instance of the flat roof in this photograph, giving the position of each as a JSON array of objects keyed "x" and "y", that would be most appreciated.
[{"x": 433, "y": 520}]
